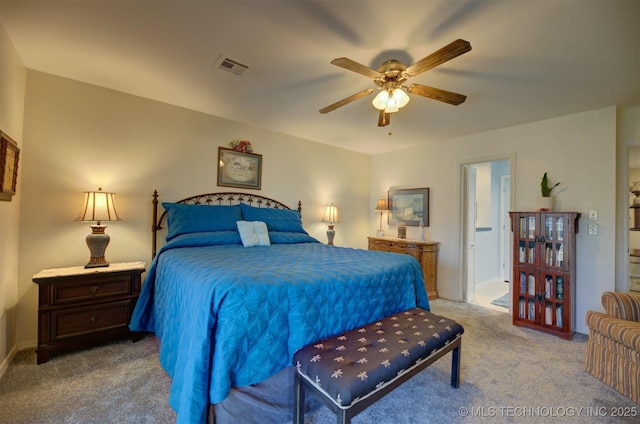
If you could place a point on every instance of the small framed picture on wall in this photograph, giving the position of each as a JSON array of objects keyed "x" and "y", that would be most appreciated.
[{"x": 239, "y": 169}]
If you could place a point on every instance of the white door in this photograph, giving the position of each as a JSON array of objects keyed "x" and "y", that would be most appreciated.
[
  {"x": 469, "y": 268},
  {"x": 505, "y": 228}
]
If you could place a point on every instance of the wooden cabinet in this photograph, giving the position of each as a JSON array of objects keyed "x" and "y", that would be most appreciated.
[
  {"x": 544, "y": 269},
  {"x": 426, "y": 252},
  {"x": 80, "y": 307}
]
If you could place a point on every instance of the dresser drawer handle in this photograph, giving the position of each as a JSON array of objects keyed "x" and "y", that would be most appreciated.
[
  {"x": 93, "y": 318},
  {"x": 94, "y": 289}
]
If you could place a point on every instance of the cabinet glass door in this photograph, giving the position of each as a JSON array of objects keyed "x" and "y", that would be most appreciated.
[
  {"x": 527, "y": 240},
  {"x": 555, "y": 288},
  {"x": 554, "y": 242},
  {"x": 527, "y": 295}
]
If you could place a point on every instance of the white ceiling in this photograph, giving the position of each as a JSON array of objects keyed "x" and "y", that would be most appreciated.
[{"x": 531, "y": 60}]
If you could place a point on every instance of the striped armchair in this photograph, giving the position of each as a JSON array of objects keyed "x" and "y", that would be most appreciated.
[{"x": 613, "y": 349}]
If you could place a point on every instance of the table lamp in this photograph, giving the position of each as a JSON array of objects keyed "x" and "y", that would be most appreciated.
[
  {"x": 381, "y": 207},
  {"x": 330, "y": 216},
  {"x": 98, "y": 206}
]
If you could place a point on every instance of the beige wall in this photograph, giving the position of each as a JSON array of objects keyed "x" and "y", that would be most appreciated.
[
  {"x": 12, "y": 87},
  {"x": 80, "y": 137},
  {"x": 579, "y": 150}
]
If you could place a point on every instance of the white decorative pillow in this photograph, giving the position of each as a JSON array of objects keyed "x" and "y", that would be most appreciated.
[{"x": 253, "y": 233}]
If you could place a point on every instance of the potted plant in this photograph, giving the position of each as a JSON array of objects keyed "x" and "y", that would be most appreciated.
[{"x": 545, "y": 202}]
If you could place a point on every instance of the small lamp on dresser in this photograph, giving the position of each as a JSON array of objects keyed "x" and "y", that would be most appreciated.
[
  {"x": 98, "y": 206},
  {"x": 381, "y": 207},
  {"x": 330, "y": 216}
]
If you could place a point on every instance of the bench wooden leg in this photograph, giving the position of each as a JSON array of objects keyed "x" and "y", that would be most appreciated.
[
  {"x": 298, "y": 399},
  {"x": 455, "y": 366},
  {"x": 344, "y": 417}
]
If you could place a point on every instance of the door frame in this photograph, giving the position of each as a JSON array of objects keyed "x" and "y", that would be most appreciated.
[
  {"x": 511, "y": 157},
  {"x": 505, "y": 230},
  {"x": 623, "y": 217},
  {"x": 469, "y": 237}
]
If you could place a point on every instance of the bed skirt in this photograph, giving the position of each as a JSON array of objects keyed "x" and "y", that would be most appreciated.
[{"x": 267, "y": 402}]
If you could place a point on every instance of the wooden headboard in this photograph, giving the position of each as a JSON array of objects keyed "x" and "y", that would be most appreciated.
[{"x": 213, "y": 199}]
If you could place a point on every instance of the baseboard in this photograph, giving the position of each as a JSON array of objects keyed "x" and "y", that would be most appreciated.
[
  {"x": 5, "y": 364},
  {"x": 489, "y": 281}
]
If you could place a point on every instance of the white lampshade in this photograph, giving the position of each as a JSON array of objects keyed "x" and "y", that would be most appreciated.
[
  {"x": 331, "y": 214},
  {"x": 380, "y": 100},
  {"x": 400, "y": 97},
  {"x": 99, "y": 206}
]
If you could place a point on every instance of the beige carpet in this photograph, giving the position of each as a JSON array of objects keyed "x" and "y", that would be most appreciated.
[{"x": 509, "y": 374}]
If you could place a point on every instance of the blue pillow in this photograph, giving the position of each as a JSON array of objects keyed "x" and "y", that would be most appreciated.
[
  {"x": 185, "y": 218},
  {"x": 210, "y": 238},
  {"x": 279, "y": 237},
  {"x": 276, "y": 219}
]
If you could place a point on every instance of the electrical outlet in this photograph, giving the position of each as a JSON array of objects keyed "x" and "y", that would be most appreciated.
[
  {"x": 593, "y": 229},
  {"x": 593, "y": 214}
]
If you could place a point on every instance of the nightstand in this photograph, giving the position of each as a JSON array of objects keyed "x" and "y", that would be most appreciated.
[
  {"x": 426, "y": 252},
  {"x": 81, "y": 307}
]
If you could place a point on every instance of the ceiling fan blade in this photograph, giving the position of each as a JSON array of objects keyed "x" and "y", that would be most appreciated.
[
  {"x": 351, "y": 65},
  {"x": 448, "y": 52},
  {"x": 384, "y": 119},
  {"x": 346, "y": 100},
  {"x": 437, "y": 94}
]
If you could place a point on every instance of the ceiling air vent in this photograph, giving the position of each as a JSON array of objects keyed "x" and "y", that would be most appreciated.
[{"x": 231, "y": 65}]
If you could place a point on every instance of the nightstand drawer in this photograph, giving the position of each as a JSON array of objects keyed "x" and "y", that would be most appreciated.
[
  {"x": 91, "y": 319},
  {"x": 74, "y": 292}
]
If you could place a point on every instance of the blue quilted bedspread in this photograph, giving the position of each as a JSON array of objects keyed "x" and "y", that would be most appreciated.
[{"x": 229, "y": 316}]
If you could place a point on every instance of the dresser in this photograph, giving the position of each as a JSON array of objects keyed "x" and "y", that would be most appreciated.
[
  {"x": 81, "y": 307},
  {"x": 426, "y": 252}
]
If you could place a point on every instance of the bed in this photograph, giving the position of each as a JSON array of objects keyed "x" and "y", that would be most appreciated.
[{"x": 239, "y": 286}]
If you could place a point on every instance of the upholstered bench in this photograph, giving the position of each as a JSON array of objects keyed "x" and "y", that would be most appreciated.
[{"x": 351, "y": 371}]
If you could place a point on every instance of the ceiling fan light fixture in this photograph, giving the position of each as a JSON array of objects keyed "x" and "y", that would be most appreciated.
[
  {"x": 390, "y": 100},
  {"x": 390, "y": 77}
]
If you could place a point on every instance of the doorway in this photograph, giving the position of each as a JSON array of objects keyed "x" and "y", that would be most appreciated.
[
  {"x": 487, "y": 232},
  {"x": 632, "y": 277}
]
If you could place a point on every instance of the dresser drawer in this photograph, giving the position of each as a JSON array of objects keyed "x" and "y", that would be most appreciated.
[
  {"x": 74, "y": 322},
  {"x": 76, "y": 291},
  {"x": 381, "y": 245},
  {"x": 394, "y": 246}
]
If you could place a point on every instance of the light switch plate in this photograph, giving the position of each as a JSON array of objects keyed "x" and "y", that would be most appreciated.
[
  {"x": 593, "y": 214},
  {"x": 593, "y": 229}
]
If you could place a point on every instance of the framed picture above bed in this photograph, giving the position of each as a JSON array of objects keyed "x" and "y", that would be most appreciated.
[
  {"x": 239, "y": 169},
  {"x": 409, "y": 207}
]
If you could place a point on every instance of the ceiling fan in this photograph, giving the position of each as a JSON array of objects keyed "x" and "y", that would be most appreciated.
[{"x": 391, "y": 76}]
